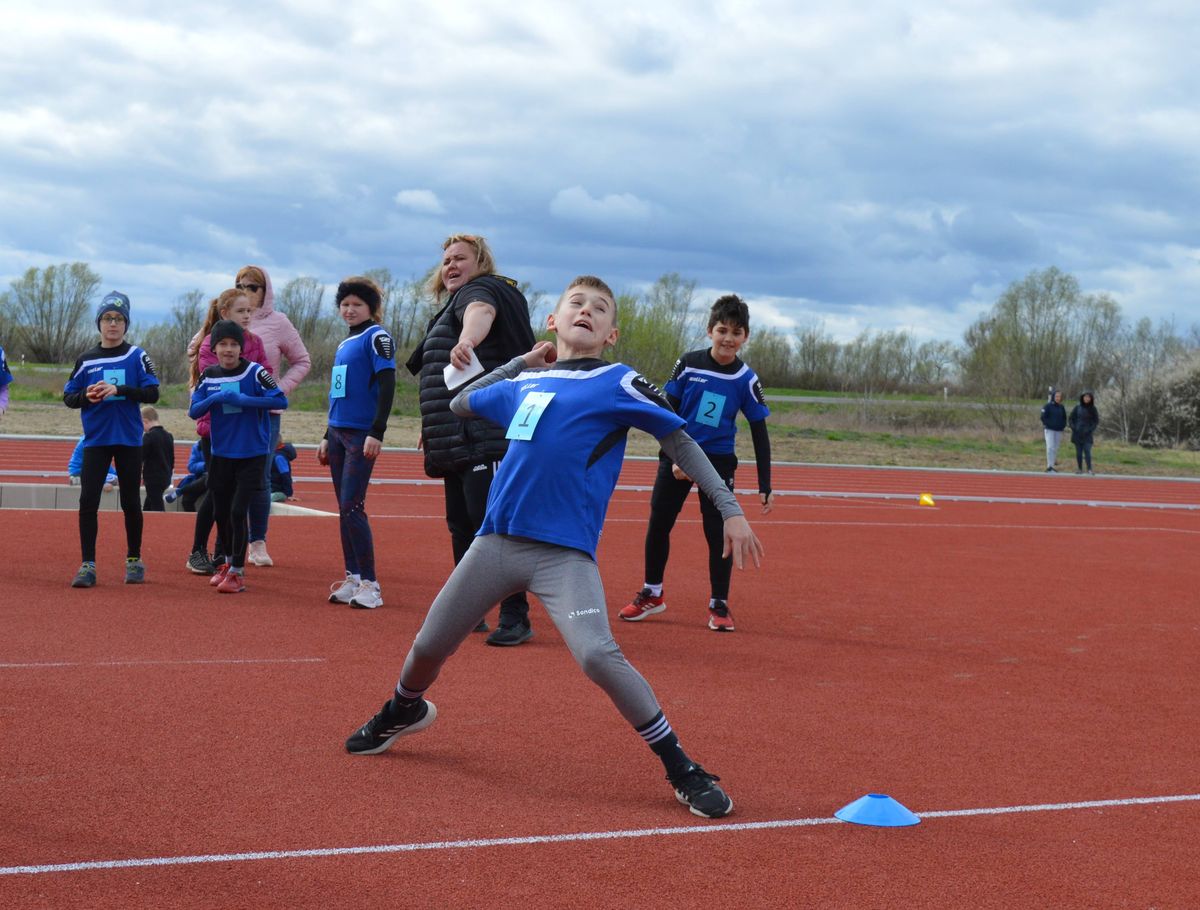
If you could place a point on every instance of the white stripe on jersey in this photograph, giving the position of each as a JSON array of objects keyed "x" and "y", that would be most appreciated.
[
  {"x": 728, "y": 377},
  {"x": 250, "y": 365},
  {"x": 133, "y": 349},
  {"x": 526, "y": 375}
]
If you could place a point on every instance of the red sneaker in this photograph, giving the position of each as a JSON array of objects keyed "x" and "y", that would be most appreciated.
[
  {"x": 719, "y": 617},
  {"x": 219, "y": 575},
  {"x": 232, "y": 583},
  {"x": 643, "y": 605}
]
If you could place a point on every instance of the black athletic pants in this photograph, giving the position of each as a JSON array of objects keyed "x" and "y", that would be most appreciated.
[
  {"x": 128, "y": 461},
  {"x": 232, "y": 483},
  {"x": 665, "y": 504}
]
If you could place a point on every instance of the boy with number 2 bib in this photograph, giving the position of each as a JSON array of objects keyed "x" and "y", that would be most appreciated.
[
  {"x": 567, "y": 414},
  {"x": 708, "y": 388}
]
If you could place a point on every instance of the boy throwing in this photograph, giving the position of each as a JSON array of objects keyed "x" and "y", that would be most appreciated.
[
  {"x": 567, "y": 414},
  {"x": 707, "y": 388}
]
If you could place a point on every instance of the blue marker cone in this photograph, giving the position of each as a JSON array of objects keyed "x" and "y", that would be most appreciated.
[{"x": 879, "y": 810}]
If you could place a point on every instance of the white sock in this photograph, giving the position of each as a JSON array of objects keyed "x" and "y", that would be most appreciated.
[{"x": 655, "y": 590}]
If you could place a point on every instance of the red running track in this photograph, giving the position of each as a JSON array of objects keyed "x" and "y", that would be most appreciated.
[{"x": 1031, "y": 666}]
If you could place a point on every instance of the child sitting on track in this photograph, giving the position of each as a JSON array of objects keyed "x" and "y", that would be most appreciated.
[
  {"x": 567, "y": 425},
  {"x": 361, "y": 389},
  {"x": 707, "y": 388},
  {"x": 238, "y": 394},
  {"x": 107, "y": 385}
]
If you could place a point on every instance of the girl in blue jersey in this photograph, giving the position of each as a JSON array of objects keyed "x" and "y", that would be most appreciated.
[
  {"x": 361, "y": 388},
  {"x": 708, "y": 388},
  {"x": 109, "y": 383},
  {"x": 567, "y": 414},
  {"x": 238, "y": 394}
]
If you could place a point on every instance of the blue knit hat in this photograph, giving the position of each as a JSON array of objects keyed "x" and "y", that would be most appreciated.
[{"x": 113, "y": 302}]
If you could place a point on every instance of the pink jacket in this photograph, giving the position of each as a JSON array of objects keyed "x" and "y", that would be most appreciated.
[
  {"x": 280, "y": 337},
  {"x": 252, "y": 350}
]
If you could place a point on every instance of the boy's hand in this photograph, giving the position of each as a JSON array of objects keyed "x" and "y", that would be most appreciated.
[
  {"x": 677, "y": 473},
  {"x": 768, "y": 501},
  {"x": 543, "y": 354},
  {"x": 230, "y": 390},
  {"x": 98, "y": 391},
  {"x": 323, "y": 452},
  {"x": 740, "y": 542},
  {"x": 371, "y": 447}
]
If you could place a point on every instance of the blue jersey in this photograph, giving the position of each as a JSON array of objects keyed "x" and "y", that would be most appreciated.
[
  {"x": 117, "y": 420},
  {"x": 5, "y": 375},
  {"x": 566, "y": 428},
  {"x": 353, "y": 391},
  {"x": 239, "y": 429},
  {"x": 711, "y": 394}
]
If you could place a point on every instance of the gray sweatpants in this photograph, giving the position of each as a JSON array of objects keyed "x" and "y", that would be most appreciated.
[
  {"x": 566, "y": 581},
  {"x": 1053, "y": 441}
]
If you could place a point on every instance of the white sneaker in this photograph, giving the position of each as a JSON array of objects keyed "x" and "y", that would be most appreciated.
[
  {"x": 342, "y": 592},
  {"x": 367, "y": 597},
  {"x": 257, "y": 553}
]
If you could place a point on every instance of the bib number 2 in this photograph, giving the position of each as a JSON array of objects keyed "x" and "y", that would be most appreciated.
[
  {"x": 526, "y": 419},
  {"x": 711, "y": 407}
]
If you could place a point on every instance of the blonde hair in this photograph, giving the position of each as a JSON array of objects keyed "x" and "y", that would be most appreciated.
[
  {"x": 487, "y": 262},
  {"x": 149, "y": 413},
  {"x": 589, "y": 281},
  {"x": 217, "y": 308}
]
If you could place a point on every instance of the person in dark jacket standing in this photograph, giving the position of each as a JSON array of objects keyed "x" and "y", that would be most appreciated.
[
  {"x": 483, "y": 320},
  {"x": 1054, "y": 421},
  {"x": 158, "y": 459},
  {"x": 1083, "y": 422}
]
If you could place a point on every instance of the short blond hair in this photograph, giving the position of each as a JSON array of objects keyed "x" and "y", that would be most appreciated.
[
  {"x": 149, "y": 413},
  {"x": 483, "y": 253},
  {"x": 588, "y": 281}
]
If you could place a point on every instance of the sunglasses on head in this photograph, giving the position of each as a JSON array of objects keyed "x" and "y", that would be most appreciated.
[{"x": 252, "y": 288}]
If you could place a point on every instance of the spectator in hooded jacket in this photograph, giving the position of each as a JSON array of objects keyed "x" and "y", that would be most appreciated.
[
  {"x": 281, "y": 341},
  {"x": 485, "y": 315},
  {"x": 1083, "y": 421},
  {"x": 1054, "y": 421}
]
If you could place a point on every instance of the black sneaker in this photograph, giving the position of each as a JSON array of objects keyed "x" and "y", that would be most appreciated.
[
  {"x": 482, "y": 627},
  {"x": 389, "y": 725},
  {"x": 200, "y": 564},
  {"x": 698, "y": 790},
  {"x": 509, "y": 634}
]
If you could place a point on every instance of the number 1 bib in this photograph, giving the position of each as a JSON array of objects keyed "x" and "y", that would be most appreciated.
[{"x": 526, "y": 419}]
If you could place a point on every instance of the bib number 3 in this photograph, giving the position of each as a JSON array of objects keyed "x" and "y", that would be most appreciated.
[{"x": 526, "y": 419}]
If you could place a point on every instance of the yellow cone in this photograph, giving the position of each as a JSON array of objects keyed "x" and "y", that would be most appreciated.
[{"x": 925, "y": 499}]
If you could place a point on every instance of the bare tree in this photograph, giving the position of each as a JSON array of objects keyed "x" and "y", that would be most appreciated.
[
  {"x": 769, "y": 352},
  {"x": 300, "y": 300},
  {"x": 167, "y": 342},
  {"x": 49, "y": 311}
]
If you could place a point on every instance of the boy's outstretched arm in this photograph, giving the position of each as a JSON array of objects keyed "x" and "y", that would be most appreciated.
[{"x": 740, "y": 541}]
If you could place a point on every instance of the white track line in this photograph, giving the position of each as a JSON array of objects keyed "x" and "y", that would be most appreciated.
[
  {"x": 576, "y": 837},
  {"x": 161, "y": 663}
]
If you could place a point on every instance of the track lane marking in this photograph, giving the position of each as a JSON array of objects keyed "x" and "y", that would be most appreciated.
[
  {"x": 575, "y": 837},
  {"x": 43, "y": 665}
]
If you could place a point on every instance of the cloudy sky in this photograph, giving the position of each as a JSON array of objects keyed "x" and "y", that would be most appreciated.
[{"x": 872, "y": 165}]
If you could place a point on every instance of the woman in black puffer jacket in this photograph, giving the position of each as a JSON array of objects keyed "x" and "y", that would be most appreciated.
[{"x": 485, "y": 314}]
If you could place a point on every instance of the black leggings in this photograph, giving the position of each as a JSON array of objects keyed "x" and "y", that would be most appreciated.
[
  {"x": 205, "y": 514},
  {"x": 665, "y": 504},
  {"x": 466, "y": 502},
  {"x": 232, "y": 483},
  {"x": 96, "y": 459}
]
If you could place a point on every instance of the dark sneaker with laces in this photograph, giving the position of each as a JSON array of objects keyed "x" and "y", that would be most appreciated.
[
  {"x": 698, "y": 790},
  {"x": 719, "y": 617},
  {"x": 85, "y": 577},
  {"x": 509, "y": 634},
  {"x": 135, "y": 571},
  {"x": 389, "y": 725},
  {"x": 199, "y": 563}
]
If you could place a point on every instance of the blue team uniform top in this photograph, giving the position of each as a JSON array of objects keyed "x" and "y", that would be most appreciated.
[
  {"x": 117, "y": 420},
  {"x": 710, "y": 396},
  {"x": 239, "y": 400},
  {"x": 353, "y": 390},
  {"x": 5, "y": 376},
  {"x": 558, "y": 476}
]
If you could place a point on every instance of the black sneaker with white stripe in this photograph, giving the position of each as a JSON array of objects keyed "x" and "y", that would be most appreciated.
[
  {"x": 698, "y": 790},
  {"x": 389, "y": 725}
]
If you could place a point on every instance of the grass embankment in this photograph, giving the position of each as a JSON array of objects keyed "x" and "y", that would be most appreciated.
[{"x": 854, "y": 432}]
